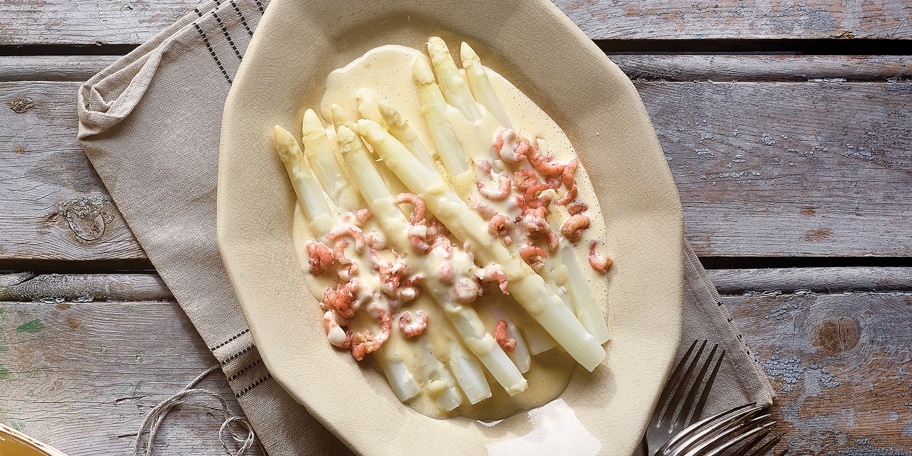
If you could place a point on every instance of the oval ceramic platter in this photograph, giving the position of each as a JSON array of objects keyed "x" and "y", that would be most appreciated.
[{"x": 534, "y": 45}]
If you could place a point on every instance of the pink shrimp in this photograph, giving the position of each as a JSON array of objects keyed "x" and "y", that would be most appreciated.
[
  {"x": 500, "y": 225},
  {"x": 319, "y": 256},
  {"x": 466, "y": 290},
  {"x": 599, "y": 264},
  {"x": 335, "y": 333},
  {"x": 352, "y": 231},
  {"x": 542, "y": 161},
  {"x": 341, "y": 298},
  {"x": 534, "y": 197},
  {"x": 534, "y": 221},
  {"x": 418, "y": 232},
  {"x": 445, "y": 273},
  {"x": 525, "y": 178},
  {"x": 497, "y": 192},
  {"x": 532, "y": 255},
  {"x": 364, "y": 343},
  {"x": 417, "y": 215},
  {"x": 485, "y": 210},
  {"x": 577, "y": 207},
  {"x": 349, "y": 268},
  {"x": 510, "y": 147},
  {"x": 358, "y": 217},
  {"x": 568, "y": 175},
  {"x": 410, "y": 326},
  {"x": 508, "y": 344},
  {"x": 494, "y": 273},
  {"x": 570, "y": 196},
  {"x": 573, "y": 228}
]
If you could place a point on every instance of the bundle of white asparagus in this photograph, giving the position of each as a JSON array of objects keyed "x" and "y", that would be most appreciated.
[{"x": 474, "y": 221}]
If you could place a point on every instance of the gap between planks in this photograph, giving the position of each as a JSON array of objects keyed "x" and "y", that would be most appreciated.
[
  {"x": 717, "y": 67},
  {"x": 27, "y": 286}
]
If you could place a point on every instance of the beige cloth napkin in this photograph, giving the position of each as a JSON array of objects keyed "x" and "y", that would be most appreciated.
[{"x": 150, "y": 125}]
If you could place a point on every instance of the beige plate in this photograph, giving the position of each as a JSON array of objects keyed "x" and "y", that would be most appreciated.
[{"x": 297, "y": 43}]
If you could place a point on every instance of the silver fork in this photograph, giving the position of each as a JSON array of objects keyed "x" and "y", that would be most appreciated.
[
  {"x": 679, "y": 404},
  {"x": 739, "y": 430}
]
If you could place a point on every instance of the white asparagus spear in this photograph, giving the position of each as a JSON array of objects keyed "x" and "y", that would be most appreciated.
[
  {"x": 529, "y": 289},
  {"x": 451, "y": 83},
  {"x": 434, "y": 111},
  {"x": 480, "y": 86}
]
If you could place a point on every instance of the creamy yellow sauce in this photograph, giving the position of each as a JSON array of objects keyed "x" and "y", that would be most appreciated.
[{"x": 385, "y": 73}]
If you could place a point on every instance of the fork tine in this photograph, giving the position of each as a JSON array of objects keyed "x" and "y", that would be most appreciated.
[
  {"x": 698, "y": 410},
  {"x": 735, "y": 435},
  {"x": 697, "y": 431},
  {"x": 689, "y": 412},
  {"x": 745, "y": 449},
  {"x": 760, "y": 432},
  {"x": 670, "y": 386},
  {"x": 681, "y": 388}
]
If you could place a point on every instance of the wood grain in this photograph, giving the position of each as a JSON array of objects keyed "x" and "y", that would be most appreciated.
[
  {"x": 55, "y": 206},
  {"x": 773, "y": 169},
  {"x": 85, "y": 22},
  {"x": 789, "y": 169},
  {"x": 81, "y": 376},
  {"x": 840, "y": 366}
]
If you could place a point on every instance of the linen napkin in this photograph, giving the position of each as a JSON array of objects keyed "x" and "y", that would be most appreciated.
[{"x": 150, "y": 126}]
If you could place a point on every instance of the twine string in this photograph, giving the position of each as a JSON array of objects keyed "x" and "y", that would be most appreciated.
[{"x": 239, "y": 429}]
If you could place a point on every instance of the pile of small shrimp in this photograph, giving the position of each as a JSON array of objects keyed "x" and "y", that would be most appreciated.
[
  {"x": 398, "y": 284},
  {"x": 529, "y": 183}
]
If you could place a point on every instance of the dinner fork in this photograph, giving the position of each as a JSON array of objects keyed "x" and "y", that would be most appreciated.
[
  {"x": 739, "y": 429},
  {"x": 679, "y": 404}
]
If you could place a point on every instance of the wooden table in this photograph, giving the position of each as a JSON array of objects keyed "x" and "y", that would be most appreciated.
[{"x": 787, "y": 128}]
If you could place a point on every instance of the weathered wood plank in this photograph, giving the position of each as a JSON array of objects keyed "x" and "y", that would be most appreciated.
[
  {"x": 789, "y": 169},
  {"x": 827, "y": 280},
  {"x": 777, "y": 68},
  {"x": 27, "y": 286},
  {"x": 840, "y": 364},
  {"x": 90, "y": 22},
  {"x": 53, "y": 67},
  {"x": 763, "y": 169},
  {"x": 82, "y": 376},
  {"x": 54, "y": 205},
  {"x": 734, "y": 19}
]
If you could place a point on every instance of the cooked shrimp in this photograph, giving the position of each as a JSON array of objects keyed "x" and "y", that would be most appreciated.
[
  {"x": 532, "y": 255},
  {"x": 534, "y": 221},
  {"x": 573, "y": 228},
  {"x": 599, "y": 264},
  {"x": 417, "y": 215},
  {"x": 501, "y": 184},
  {"x": 366, "y": 342},
  {"x": 500, "y": 225},
  {"x": 341, "y": 298},
  {"x": 510, "y": 147},
  {"x": 494, "y": 273},
  {"x": 319, "y": 256},
  {"x": 508, "y": 344},
  {"x": 410, "y": 326},
  {"x": 335, "y": 333},
  {"x": 542, "y": 161},
  {"x": 352, "y": 231},
  {"x": 535, "y": 195},
  {"x": 466, "y": 290},
  {"x": 525, "y": 178}
]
